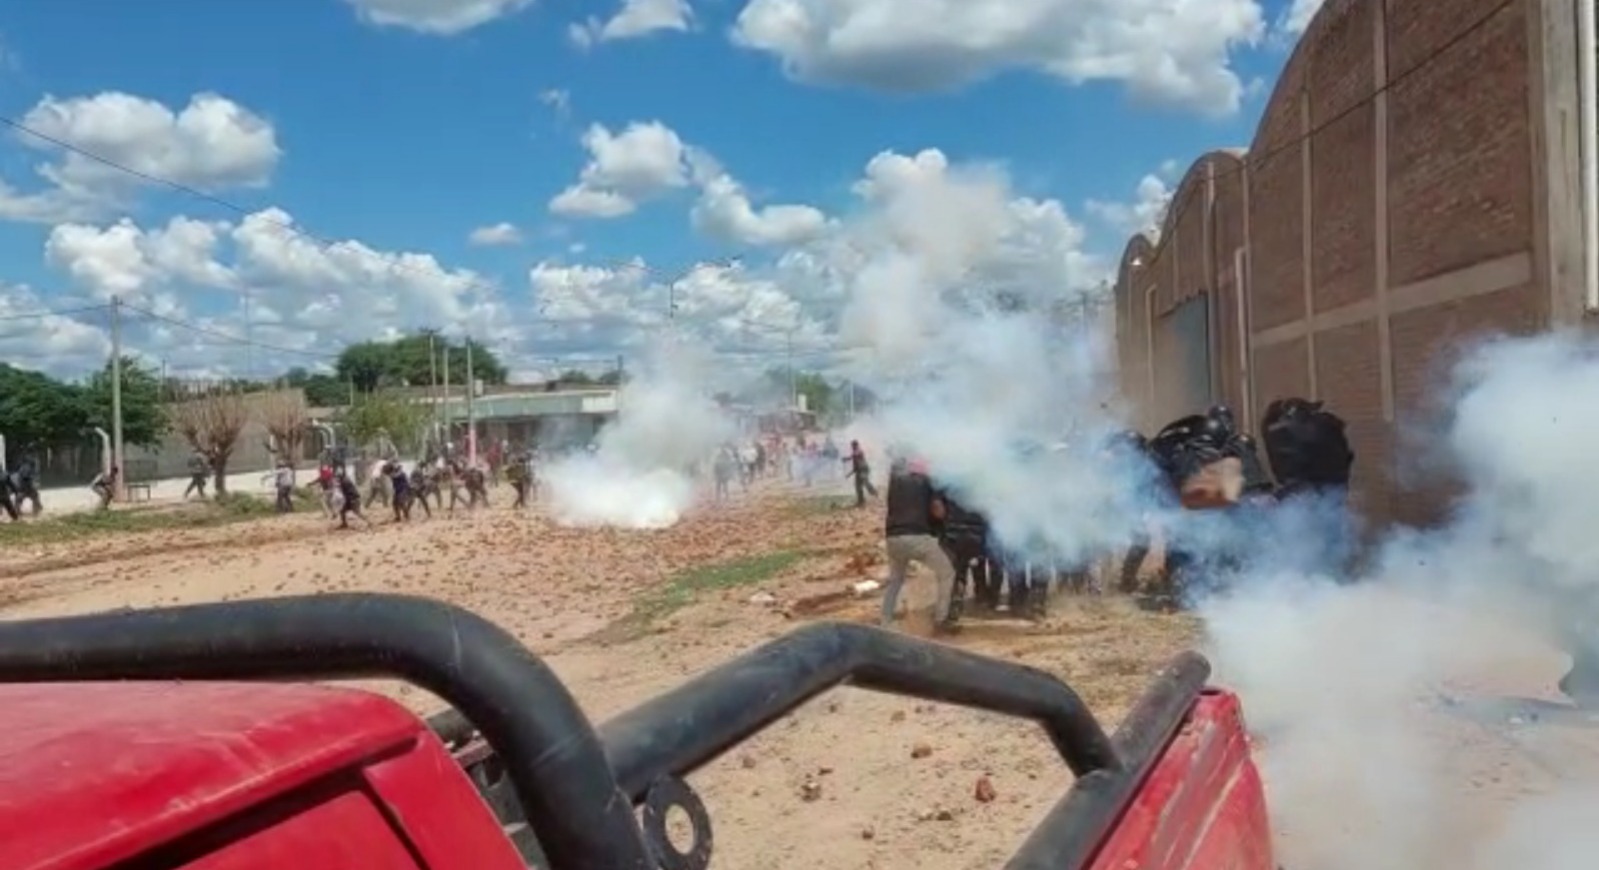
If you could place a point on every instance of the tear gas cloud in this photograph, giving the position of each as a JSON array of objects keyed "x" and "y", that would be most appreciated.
[
  {"x": 1344, "y": 680},
  {"x": 996, "y": 397},
  {"x": 638, "y": 475},
  {"x": 1340, "y": 678}
]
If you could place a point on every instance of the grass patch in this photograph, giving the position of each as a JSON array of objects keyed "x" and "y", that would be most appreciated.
[
  {"x": 225, "y": 510},
  {"x": 682, "y": 589}
]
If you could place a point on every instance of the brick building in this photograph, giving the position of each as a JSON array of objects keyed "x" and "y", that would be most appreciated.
[{"x": 1414, "y": 181}]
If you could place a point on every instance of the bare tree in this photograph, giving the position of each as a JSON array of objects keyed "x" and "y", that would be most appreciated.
[
  {"x": 212, "y": 425},
  {"x": 287, "y": 419}
]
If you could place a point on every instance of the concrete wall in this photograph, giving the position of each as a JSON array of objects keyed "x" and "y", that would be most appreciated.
[
  {"x": 1410, "y": 185},
  {"x": 250, "y": 455}
]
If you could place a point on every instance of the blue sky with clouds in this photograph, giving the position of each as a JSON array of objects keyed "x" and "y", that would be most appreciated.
[{"x": 538, "y": 173}]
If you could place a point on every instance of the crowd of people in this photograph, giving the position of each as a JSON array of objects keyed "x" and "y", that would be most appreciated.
[
  {"x": 1204, "y": 483},
  {"x": 804, "y": 458}
]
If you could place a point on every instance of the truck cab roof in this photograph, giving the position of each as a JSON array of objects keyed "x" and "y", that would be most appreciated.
[{"x": 91, "y": 773}]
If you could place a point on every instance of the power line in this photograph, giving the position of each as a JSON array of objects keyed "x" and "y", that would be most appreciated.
[
  {"x": 224, "y": 336},
  {"x": 59, "y": 312},
  {"x": 1253, "y": 159}
]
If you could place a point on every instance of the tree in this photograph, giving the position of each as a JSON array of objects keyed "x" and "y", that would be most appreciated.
[
  {"x": 287, "y": 420},
  {"x": 410, "y": 360},
  {"x": 580, "y": 378},
  {"x": 321, "y": 390},
  {"x": 367, "y": 365},
  {"x": 817, "y": 391},
  {"x": 212, "y": 425},
  {"x": 144, "y": 418},
  {"x": 378, "y": 414},
  {"x": 37, "y": 410}
]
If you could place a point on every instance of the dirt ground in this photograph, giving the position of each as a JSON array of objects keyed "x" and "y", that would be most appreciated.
[{"x": 624, "y": 615}]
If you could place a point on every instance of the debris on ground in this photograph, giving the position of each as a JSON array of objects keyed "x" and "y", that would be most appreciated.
[{"x": 984, "y": 792}]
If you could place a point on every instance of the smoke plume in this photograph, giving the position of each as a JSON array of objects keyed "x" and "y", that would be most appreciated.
[
  {"x": 638, "y": 476},
  {"x": 1345, "y": 678},
  {"x": 978, "y": 371},
  {"x": 1351, "y": 685}
]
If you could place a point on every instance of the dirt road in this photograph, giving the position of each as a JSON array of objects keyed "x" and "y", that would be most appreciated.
[{"x": 624, "y": 615}]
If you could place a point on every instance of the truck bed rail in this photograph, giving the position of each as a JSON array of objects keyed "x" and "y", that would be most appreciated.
[{"x": 577, "y": 784}]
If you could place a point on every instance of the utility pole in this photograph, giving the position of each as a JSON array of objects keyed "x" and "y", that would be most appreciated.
[
  {"x": 116, "y": 398},
  {"x": 852, "y": 400},
  {"x": 620, "y": 376},
  {"x": 433, "y": 380},
  {"x": 471, "y": 407},
  {"x": 449, "y": 412},
  {"x": 249, "y": 341},
  {"x": 793, "y": 378}
]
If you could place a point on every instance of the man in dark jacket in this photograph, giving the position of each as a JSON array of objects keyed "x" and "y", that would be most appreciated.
[
  {"x": 861, "y": 471},
  {"x": 965, "y": 540},
  {"x": 915, "y": 509},
  {"x": 8, "y": 500},
  {"x": 1183, "y": 450},
  {"x": 26, "y": 483}
]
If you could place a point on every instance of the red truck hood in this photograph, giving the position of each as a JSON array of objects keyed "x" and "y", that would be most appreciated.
[{"x": 93, "y": 773}]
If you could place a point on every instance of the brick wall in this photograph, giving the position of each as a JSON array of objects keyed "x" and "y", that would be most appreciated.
[{"x": 1384, "y": 230}]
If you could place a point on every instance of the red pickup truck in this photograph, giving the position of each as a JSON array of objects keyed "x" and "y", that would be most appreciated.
[{"x": 174, "y": 738}]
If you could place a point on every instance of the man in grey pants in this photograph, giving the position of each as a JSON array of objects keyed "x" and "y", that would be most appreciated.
[{"x": 915, "y": 510}]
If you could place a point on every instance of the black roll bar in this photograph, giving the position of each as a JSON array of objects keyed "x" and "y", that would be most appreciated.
[
  {"x": 686, "y": 728},
  {"x": 1073, "y": 830},
  {"x": 549, "y": 748},
  {"x": 577, "y": 790}
]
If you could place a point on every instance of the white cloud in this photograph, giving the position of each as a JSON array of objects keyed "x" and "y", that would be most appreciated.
[
  {"x": 211, "y": 144},
  {"x": 1143, "y": 214},
  {"x": 124, "y": 260},
  {"x": 1170, "y": 51},
  {"x": 496, "y": 235},
  {"x": 559, "y": 101},
  {"x": 724, "y": 212},
  {"x": 303, "y": 295},
  {"x": 963, "y": 222},
  {"x": 646, "y": 160},
  {"x": 1297, "y": 19},
  {"x": 68, "y": 346},
  {"x": 636, "y": 18},
  {"x": 624, "y": 169},
  {"x": 437, "y": 17}
]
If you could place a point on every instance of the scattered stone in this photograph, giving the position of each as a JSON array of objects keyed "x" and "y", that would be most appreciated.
[
  {"x": 868, "y": 833},
  {"x": 898, "y": 716},
  {"x": 748, "y": 761},
  {"x": 984, "y": 792},
  {"x": 810, "y": 790},
  {"x": 922, "y": 749}
]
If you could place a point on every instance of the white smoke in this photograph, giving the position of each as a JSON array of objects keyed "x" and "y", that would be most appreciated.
[
  {"x": 976, "y": 374},
  {"x": 1364, "y": 767},
  {"x": 639, "y": 475},
  {"x": 1341, "y": 679}
]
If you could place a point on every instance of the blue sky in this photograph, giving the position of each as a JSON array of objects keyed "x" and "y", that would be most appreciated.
[{"x": 404, "y": 125}]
